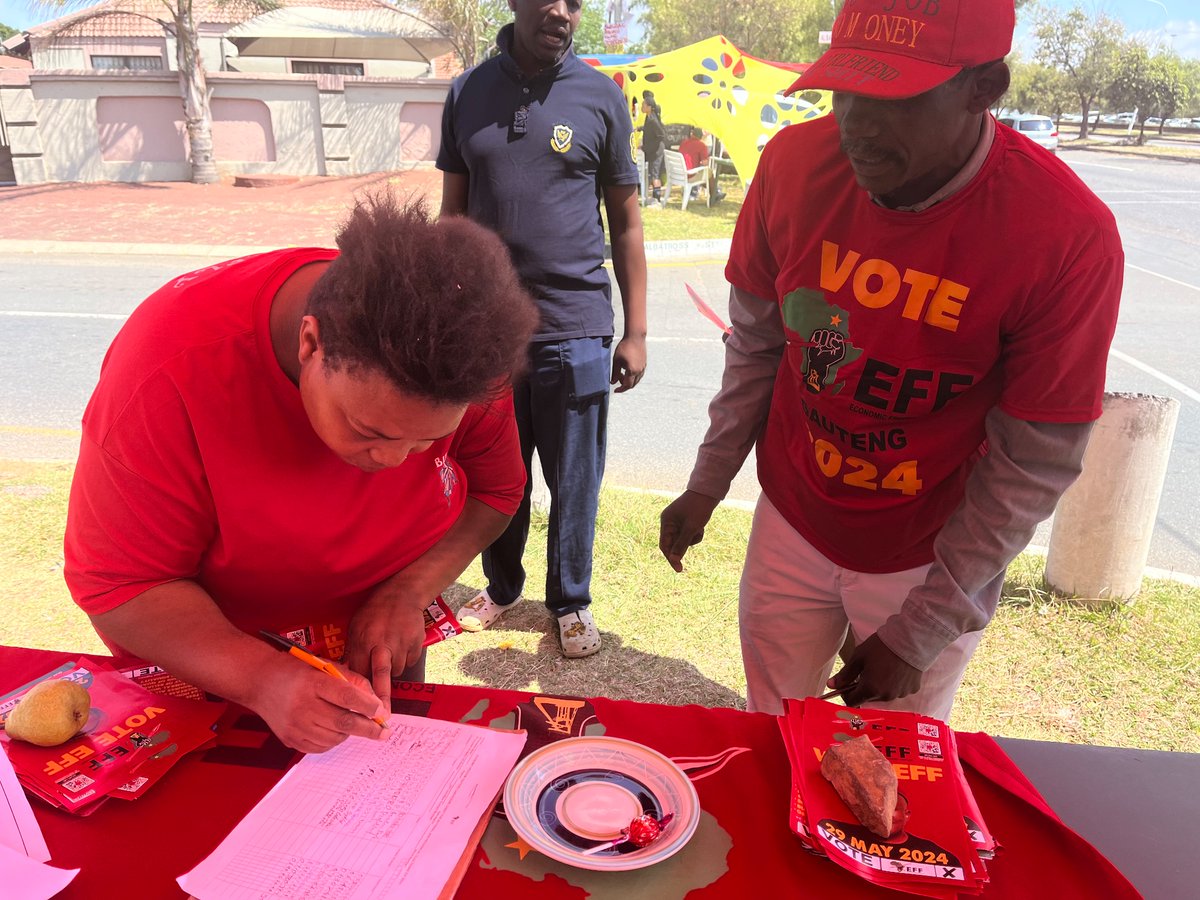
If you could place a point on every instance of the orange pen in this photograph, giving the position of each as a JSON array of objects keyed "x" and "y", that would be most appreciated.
[{"x": 315, "y": 661}]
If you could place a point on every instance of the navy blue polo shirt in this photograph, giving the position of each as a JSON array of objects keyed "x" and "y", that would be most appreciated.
[{"x": 540, "y": 189}]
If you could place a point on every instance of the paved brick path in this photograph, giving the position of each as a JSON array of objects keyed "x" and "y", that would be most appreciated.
[{"x": 306, "y": 212}]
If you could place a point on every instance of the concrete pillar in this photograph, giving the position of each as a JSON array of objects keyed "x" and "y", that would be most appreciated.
[{"x": 1103, "y": 524}]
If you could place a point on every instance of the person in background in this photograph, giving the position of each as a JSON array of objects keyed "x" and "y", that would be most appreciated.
[
  {"x": 695, "y": 153},
  {"x": 694, "y": 149},
  {"x": 919, "y": 402},
  {"x": 639, "y": 112},
  {"x": 532, "y": 140},
  {"x": 311, "y": 442},
  {"x": 654, "y": 145}
]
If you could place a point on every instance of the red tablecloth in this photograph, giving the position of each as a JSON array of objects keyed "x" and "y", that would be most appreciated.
[{"x": 736, "y": 760}]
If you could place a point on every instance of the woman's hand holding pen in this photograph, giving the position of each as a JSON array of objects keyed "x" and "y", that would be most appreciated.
[{"x": 312, "y": 712}]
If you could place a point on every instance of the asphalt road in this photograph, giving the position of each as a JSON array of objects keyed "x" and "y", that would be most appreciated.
[{"x": 59, "y": 314}]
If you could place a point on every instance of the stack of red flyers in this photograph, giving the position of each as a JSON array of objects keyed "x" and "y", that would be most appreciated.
[
  {"x": 939, "y": 840},
  {"x": 329, "y": 641},
  {"x": 132, "y": 738},
  {"x": 440, "y": 622}
]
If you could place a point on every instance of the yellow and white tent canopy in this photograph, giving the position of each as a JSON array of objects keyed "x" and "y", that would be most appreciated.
[{"x": 713, "y": 85}]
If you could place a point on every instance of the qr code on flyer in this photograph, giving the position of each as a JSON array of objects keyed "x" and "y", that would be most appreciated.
[
  {"x": 76, "y": 783},
  {"x": 132, "y": 786},
  {"x": 928, "y": 729},
  {"x": 929, "y": 749}
]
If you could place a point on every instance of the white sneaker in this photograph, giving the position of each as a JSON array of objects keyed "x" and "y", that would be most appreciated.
[
  {"x": 481, "y": 612},
  {"x": 578, "y": 634}
]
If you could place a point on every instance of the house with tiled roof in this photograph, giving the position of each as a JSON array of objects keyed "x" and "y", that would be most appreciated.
[
  {"x": 311, "y": 87},
  {"x": 323, "y": 37}
]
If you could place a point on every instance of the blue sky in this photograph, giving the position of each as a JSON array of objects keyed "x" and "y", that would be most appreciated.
[
  {"x": 1173, "y": 23},
  {"x": 1167, "y": 23},
  {"x": 17, "y": 14}
]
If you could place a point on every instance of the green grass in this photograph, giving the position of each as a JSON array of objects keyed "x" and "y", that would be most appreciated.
[
  {"x": 1046, "y": 669},
  {"x": 699, "y": 222},
  {"x": 1186, "y": 146}
]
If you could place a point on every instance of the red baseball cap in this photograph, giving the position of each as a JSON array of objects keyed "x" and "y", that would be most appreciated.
[{"x": 900, "y": 48}]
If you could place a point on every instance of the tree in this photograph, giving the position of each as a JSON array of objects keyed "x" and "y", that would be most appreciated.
[
  {"x": 1085, "y": 49},
  {"x": 1190, "y": 69},
  {"x": 1133, "y": 86},
  {"x": 589, "y": 36},
  {"x": 1153, "y": 83},
  {"x": 1037, "y": 88},
  {"x": 178, "y": 19},
  {"x": 6, "y": 32},
  {"x": 1173, "y": 87},
  {"x": 471, "y": 25},
  {"x": 782, "y": 30}
]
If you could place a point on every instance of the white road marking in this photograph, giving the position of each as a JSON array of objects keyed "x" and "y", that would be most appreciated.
[
  {"x": 43, "y": 314},
  {"x": 1080, "y": 162},
  {"x": 1130, "y": 265},
  {"x": 1161, "y": 376},
  {"x": 1151, "y": 202}
]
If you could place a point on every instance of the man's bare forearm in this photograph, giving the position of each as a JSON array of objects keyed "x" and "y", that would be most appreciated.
[
  {"x": 1010, "y": 491},
  {"x": 438, "y": 567},
  {"x": 629, "y": 256},
  {"x": 739, "y": 410},
  {"x": 179, "y": 627}
]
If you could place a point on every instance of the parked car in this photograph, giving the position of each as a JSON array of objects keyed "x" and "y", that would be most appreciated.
[
  {"x": 1153, "y": 122},
  {"x": 1039, "y": 129}
]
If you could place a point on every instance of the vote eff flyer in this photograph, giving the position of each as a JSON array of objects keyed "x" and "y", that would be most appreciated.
[{"x": 939, "y": 841}]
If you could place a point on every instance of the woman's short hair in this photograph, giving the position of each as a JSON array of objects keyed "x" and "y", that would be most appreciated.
[{"x": 435, "y": 306}]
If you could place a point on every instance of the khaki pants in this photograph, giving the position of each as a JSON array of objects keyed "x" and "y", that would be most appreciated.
[{"x": 795, "y": 607}]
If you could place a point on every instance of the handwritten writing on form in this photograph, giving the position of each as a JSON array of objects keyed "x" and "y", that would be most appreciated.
[{"x": 367, "y": 819}]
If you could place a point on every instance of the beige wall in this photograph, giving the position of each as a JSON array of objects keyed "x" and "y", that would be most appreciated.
[
  {"x": 287, "y": 124},
  {"x": 50, "y": 55},
  {"x": 372, "y": 68},
  {"x": 386, "y": 122}
]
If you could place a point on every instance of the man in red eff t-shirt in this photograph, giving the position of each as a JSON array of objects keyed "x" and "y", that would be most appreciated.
[
  {"x": 310, "y": 442},
  {"x": 918, "y": 351},
  {"x": 695, "y": 153}
]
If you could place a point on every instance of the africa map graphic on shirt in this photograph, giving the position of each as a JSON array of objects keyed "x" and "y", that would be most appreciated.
[{"x": 824, "y": 332}]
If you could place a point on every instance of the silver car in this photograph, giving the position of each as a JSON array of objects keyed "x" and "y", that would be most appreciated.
[{"x": 1039, "y": 129}]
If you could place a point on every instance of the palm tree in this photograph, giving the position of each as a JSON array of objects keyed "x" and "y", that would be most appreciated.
[{"x": 178, "y": 19}]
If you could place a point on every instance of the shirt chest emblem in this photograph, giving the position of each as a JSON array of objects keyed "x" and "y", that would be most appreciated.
[
  {"x": 448, "y": 477},
  {"x": 561, "y": 138}
]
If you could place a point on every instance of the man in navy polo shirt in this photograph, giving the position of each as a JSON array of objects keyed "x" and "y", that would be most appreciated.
[{"x": 532, "y": 140}]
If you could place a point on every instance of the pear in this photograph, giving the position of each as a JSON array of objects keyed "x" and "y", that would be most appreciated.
[{"x": 50, "y": 713}]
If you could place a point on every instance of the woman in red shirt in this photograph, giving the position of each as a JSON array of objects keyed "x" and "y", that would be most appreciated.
[{"x": 308, "y": 441}]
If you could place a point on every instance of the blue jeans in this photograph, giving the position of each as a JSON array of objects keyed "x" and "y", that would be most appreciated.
[{"x": 562, "y": 411}]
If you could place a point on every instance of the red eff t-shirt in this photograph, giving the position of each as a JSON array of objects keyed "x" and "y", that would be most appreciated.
[
  {"x": 198, "y": 461},
  {"x": 904, "y": 328}
]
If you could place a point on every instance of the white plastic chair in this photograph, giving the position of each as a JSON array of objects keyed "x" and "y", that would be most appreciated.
[{"x": 679, "y": 175}]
